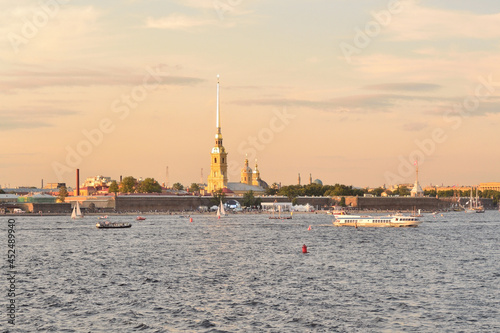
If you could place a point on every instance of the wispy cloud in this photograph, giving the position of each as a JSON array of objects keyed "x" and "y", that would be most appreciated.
[
  {"x": 31, "y": 117},
  {"x": 454, "y": 108},
  {"x": 355, "y": 103},
  {"x": 11, "y": 125},
  {"x": 414, "y": 126},
  {"x": 47, "y": 77},
  {"x": 418, "y": 22},
  {"x": 178, "y": 21},
  {"x": 406, "y": 86}
]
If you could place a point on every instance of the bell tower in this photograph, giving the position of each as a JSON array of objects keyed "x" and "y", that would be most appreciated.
[{"x": 217, "y": 179}]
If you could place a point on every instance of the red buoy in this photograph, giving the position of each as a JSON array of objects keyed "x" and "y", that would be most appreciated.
[
  {"x": 304, "y": 248},
  {"x": 309, "y": 228},
  {"x": 190, "y": 219}
]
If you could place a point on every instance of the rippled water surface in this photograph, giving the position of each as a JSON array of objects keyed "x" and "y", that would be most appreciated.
[{"x": 246, "y": 273}]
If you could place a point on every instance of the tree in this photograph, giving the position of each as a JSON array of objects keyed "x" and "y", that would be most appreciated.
[
  {"x": 178, "y": 187},
  {"x": 342, "y": 202},
  {"x": 194, "y": 188},
  {"x": 218, "y": 197},
  {"x": 113, "y": 188},
  {"x": 149, "y": 185},
  {"x": 250, "y": 200},
  {"x": 128, "y": 185},
  {"x": 292, "y": 191},
  {"x": 377, "y": 191},
  {"x": 314, "y": 190},
  {"x": 403, "y": 191},
  {"x": 63, "y": 193},
  {"x": 271, "y": 191},
  {"x": 2, "y": 191}
]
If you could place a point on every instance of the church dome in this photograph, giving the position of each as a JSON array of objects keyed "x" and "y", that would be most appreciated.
[{"x": 318, "y": 181}]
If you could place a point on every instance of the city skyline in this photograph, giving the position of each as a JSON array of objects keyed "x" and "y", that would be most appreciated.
[{"x": 351, "y": 93}]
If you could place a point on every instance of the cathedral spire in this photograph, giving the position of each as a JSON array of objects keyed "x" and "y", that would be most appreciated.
[
  {"x": 217, "y": 180},
  {"x": 218, "y": 107}
]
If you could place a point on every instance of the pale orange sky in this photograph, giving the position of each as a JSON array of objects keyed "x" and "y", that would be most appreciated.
[{"x": 351, "y": 92}]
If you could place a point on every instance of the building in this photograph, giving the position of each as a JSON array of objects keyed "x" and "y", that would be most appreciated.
[
  {"x": 489, "y": 186},
  {"x": 97, "y": 181},
  {"x": 217, "y": 180},
  {"x": 37, "y": 198},
  {"x": 416, "y": 191},
  {"x": 249, "y": 181},
  {"x": 54, "y": 186}
]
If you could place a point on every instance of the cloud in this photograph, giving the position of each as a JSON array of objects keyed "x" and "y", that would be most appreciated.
[
  {"x": 404, "y": 86},
  {"x": 355, "y": 103},
  {"x": 11, "y": 125},
  {"x": 417, "y": 22},
  {"x": 31, "y": 117},
  {"x": 48, "y": 77},
  {"x": 415, "y": 126},
  {"x": 65, "y": 29},
  {"x": 177, "y": 21},
  {"x": 455, "y": 108}
]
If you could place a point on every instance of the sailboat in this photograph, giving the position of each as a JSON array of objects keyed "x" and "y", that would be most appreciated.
[
  {"x": 220, "y": 210},
  {"x": 279, "y": 213},
  {"x": 477, "y": 208},
  {"x": 470, "y": 202},
  {"x": 77, "y": 213}
]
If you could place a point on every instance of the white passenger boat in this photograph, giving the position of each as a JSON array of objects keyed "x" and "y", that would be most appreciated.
[{"x": 396, "y": 221}]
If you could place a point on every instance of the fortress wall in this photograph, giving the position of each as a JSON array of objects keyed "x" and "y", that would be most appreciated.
[{"x": 401, "y": 203}]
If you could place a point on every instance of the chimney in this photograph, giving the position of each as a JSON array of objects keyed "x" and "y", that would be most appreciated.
[
  {"x": 120, "y": 178},
  {"x": 77, "y": 182}
]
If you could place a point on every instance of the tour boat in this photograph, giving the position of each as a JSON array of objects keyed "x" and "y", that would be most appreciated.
[
  {"x": 375, "y": 221},
  {"x": 108, "y": 225}
]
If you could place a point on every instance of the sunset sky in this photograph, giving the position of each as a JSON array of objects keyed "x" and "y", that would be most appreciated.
[{"x": 351, "y": 91}]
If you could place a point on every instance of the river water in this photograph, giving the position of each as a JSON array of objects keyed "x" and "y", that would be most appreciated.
[{"x": 247, "y": 273}]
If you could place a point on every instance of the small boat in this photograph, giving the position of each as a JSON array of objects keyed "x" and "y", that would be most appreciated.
[
  {"x": 337, "y": 211},
  {"x": 140, "y": 218},
  {"x": 395, "y": 221},
  {"x": 416, "y": 213},
  {"x": 76, "y": 213},
  {"x": 279, "y": 217},
  {"x": 474, "y": 206},
  {"x": 108, "y": 225},
  {"x": 220, "y": 210},
  {"x": 103, "y": 217}
]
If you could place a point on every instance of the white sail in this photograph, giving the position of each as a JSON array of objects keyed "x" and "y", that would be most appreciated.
[
  {"x": 222, "y": 210},
  {"x": 77, "y": 213}
]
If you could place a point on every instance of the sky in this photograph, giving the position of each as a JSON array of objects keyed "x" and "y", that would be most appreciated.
[{"x": 349, "y": 91}]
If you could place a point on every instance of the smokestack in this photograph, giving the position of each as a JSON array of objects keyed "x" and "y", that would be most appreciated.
[
  {"x": 77, "y": 182},
  {"x": 120, "y": 178},
  {"x": 42, "y": 183}
]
